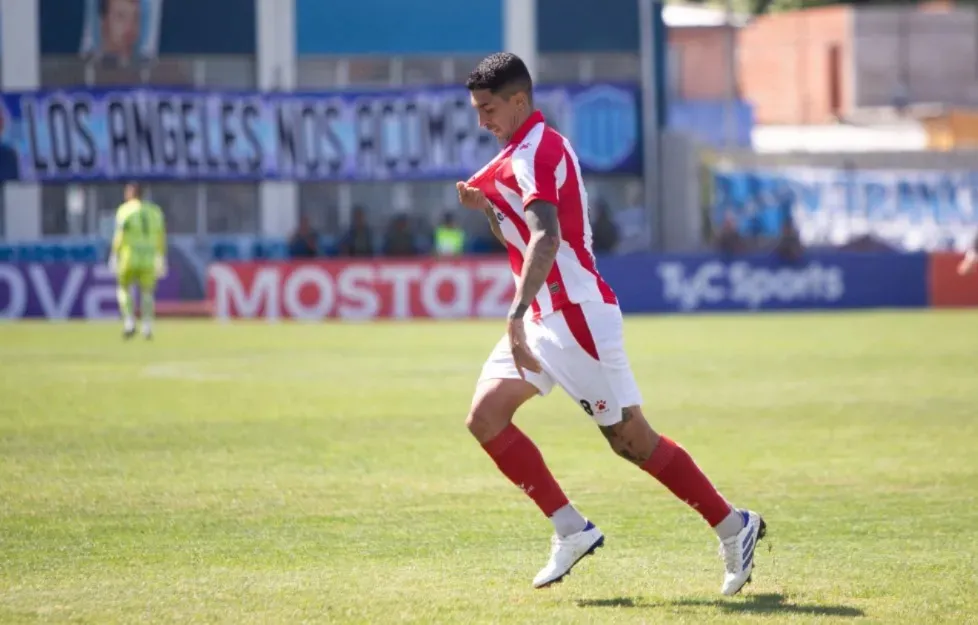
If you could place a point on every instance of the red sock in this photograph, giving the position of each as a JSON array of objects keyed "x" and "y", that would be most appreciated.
[
  {"x": 675, "y": 468},
  {"x": 520, "y": 460}
]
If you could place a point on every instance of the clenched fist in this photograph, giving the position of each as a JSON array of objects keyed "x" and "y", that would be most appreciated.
[{"x": 471, "y": 197}]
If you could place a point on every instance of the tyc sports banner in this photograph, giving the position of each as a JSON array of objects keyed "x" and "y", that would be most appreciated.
[{"x": 157, "y": 134}]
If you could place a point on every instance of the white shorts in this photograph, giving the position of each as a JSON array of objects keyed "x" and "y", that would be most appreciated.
[{"x": 580, "y": 348}]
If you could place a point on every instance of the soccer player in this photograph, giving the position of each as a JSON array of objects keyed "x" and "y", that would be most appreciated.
[
  {"x": 970, "y": 260},
  {"x": 138, "y": 257},
  {"x": 565, "y": 329}
]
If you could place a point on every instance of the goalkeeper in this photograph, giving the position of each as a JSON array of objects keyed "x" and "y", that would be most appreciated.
[{"x": 138, "y": 257}]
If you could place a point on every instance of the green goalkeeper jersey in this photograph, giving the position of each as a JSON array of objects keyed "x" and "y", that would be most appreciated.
[{"x": 140, "y": 234}]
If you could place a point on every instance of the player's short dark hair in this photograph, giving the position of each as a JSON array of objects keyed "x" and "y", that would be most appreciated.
[
  {"x": 103, "y": 7},
  {"x": 501, "y": 72}
]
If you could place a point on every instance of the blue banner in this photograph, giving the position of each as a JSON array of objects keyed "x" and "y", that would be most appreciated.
[
  {"x": 706, "y": 120},
  {"x": 705, "y": 282},
  {"x": 154, "y": 134},
  {"x": 910, "y": 210},
  {"x": 644, "y": 282}
]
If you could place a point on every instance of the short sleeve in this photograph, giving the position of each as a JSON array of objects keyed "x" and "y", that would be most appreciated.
[
  {"x": 120, "y": 217},
  {"x": 536, "y": 170}
]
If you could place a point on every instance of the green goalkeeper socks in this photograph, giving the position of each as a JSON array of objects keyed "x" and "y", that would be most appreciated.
[
  {"x": 148, "y": 308},
  {"x": 125, "y": 304}
]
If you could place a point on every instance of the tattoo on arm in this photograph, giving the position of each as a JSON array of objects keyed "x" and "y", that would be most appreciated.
[
  {"x": 541, "y": 218},
  {"x": 494, "y": 223}
]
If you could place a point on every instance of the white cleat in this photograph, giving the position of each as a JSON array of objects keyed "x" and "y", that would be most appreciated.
[
  {"x": 738, "y": 553},
  {"x": 566, "y": 552}
]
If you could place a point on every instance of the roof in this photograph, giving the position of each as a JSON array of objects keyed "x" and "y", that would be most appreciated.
[{"x": 693, "y": 16}]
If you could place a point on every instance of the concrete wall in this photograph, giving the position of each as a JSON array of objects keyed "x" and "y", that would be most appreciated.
[
  {"x": 681, "y": 217},
  {"x": 959, "y": 160},
  {"x": 934, "y": 53}
]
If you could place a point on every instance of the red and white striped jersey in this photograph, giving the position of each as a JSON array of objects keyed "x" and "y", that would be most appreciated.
[{"x": 540, "y": 164}]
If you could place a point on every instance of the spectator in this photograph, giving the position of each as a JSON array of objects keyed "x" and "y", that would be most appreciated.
[
  {"x": 399, "y": 240},
  {"x": 304, "y": 242},
  {"x": 449, "y": 238},
  {"x": 604, "y": 232},
  {"x": 866, "y": 243},
  {"x": 424, "y": 234},
  {"x": 785, "y": 198},
  {"x": 359, "y": 239},
  {"x": 632, "y": 220},
  {"x": 789, "y": 247},
  {"x": 729, "y": 242}
]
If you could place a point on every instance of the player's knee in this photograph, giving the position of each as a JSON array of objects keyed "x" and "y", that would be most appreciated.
[
  {"x": 495, "y": 403},
  {"x": 632, "y": 438},
  {"x": 492, "y": 410},
  {"x": 487, "y": 419}
]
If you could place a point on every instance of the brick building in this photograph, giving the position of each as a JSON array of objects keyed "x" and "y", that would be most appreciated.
[{"x": 823, "y": 64}]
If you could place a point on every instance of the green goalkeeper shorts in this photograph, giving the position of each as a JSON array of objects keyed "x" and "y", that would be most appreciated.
[{"x": 144, "y": 277}]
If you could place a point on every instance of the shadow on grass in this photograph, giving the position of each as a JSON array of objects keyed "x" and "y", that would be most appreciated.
[{"x": 771, "y": 603}]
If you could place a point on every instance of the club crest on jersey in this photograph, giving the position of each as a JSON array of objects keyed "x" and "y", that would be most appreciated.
[
  {"x": 524, "y": 146},
  {"x": 554, "y": 288},
  {"x": 601, "y": 406},
  {"x": 500, "y": 217}
]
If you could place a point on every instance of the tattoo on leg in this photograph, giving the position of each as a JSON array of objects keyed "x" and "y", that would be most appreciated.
[
  {"x": 619, "y": 444},
  {"x": 622, "y": 442}
]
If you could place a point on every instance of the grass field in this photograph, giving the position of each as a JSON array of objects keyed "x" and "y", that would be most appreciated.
[{"x": 252, "y": 473}]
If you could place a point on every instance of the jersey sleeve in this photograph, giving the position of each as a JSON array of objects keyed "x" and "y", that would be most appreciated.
[
  {"x": 536, "y": 170},
  {"x": 120, "y": 217},
  {"x": 120, "y": 228},
  {"x": 160, "y": 230}
]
